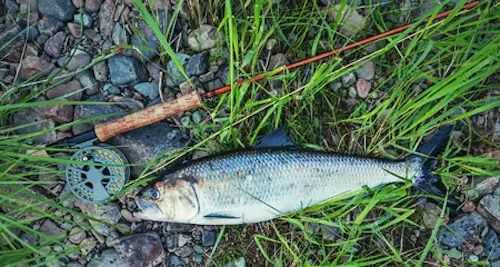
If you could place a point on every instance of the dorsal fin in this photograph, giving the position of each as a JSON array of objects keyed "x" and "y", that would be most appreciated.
[{"x": 277, "y": 138}]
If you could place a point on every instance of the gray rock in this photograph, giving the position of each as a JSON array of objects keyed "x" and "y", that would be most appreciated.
[
  {"x": 204, "y": 38},
  {"x": 146, "y": 39},
  {"x": 352, "y": 92},
  {"x": 185, "y": 121},
  {"x": 278, "y": 60},
  {"x": 461, "y": 229},
  {"x": 106, "y": 22},
  {"x": 107, "y": 45},
  {"x": 71, "y": 91},
  {"x": 34, "y": 116},
  {"x": 335, "y": 86},
  {"x": 75, "y": 29},
  {"x": 127, "y": 215},
  {"x": 32, "y": 66},
  {"x": 455, "y": 254},
  {"x": 143, "y": 249},
  {"x": 30, "y": 238},
  {"x": 197, "y": 64},
  {"x": 185, "y": 252},
  {"x": 492, "y": 246},
  {"x": 49, "y": 26},
  {"x": 93, "y": 5},
  {"x": 54, "y": 44},
  {"x": 174, "y": 261},
  {"x": 77, "y": 235},
  {"x": 352, "y": 22},
  {"x": 208, "y": 238},
  {"x": 485, "y": 187},
  {"x": 149, "y": 90},
  {"x": 367, "y": 71},
  {"x": 108, "y": 258},
  {"x": 61, "y": 10},
  {"x": 212, "y": 85},
  {"x": 124, "y": 70},
  {"x": 239, "y": 262},
  {"x": 89, "y": 85},
  {"x": 363, "y": 87},
  {"x": 108, "y": 212},
  {"x": 209, "y": 76},
  {"x": 491, "y": 203},
  {"x": 90, "y": 111},
  {"x": 79, "y": 59},
  {"x": 196, "y": 116},
  {"x": 348, "y": 79},
  {"x": 60, "y": 113},
  {"x": 119, "y": 35},
  {"x": 101, "y": 71},
  {"x": 174, "y": 76},
  {"x": 12, "y": 7},
  {"x": 87, "y": 245},
  {"x": 84, "y": 20},
  {"x": 431, "y": 215},
  {"x": 111, "y": 89},
  {"x": 50, "y": 228},
  {"x": 128, "y": 104}
]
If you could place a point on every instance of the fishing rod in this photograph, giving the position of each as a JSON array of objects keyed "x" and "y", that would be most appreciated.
[{"x": 93, "y": 149}]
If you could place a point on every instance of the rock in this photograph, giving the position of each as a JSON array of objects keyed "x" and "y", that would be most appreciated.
[
  {"x": 348, "y": 79},
  {"x": 149, "y": 90},
  {"x": 119, "y": 35},
  {"x": 491, "y": 204},
  {"x": 92, "y": 35},
  {"x": 83, "y": 19},
  {"x": 50, "y": 228},
  {"x": 239, "y": 262},
  {"x": 196, "y": 116},
  {"x": 140, "y": 249},
  {"x": 174, "y": 75},
  {"x": 334, "y": 86},
  {"x": 185, "y": 121},
  {"x": 204, "y": 38},
  {"x": 363, "y": 87},
  {"x": 88, "y": 82},
  {"x": 197, "y": 64},
  {"x": 352, "y": 92},
  {"x": 32, "y": 66},
  {"x": 11, "y": 41},
  {"x": 185, "y": 252},
  {"x": 79, "y": 60},
  {"x": 367, "y": 71},
  {"x": 174, "y": 261},
  {"x": 60, "y": 113},
  {"x": 34, "y": 116},
  {"x": 72, "y": 91},
  {"x": 77, "y": 235},
  {"x": 31, "y": 238},
  {"x": 473, "y": 258},
  {"x": 90, "y": 111},
  {"x": 54, "y": 44},
  {"x": 108, "y": 212},
  {"x": 61, "y": 10},
  {"x": 126, "y": 103},
  {"x": 151, "y": 42},
  {"x": 208, "y": 238},
  {"x": 127, "y": 215},
  {"x": 431, "y": 215},
  {"x": 478, "y": 250},
  {"x": 212, "y": 85},
  {"x": 49, "y": 26},
  {"x": 207, "y": 77},
  {"x": 75, "y": 30},
  {"x": 463, "y": 228},
  {"x": 78, "y": 3},
  {"x": 101, "y": 71},
  {"x": 271, "y": 44},
  {"x": 351, "y": 21},
  {"x": 484, "y": 188},
  {"x": 124, "y": 70},
  {"x": 111, "y": 89},
  {"x": 108, "y": 258},
  {"x": 106, "y": 22},
  {"x": 455, "y": 254},
  {"x": 469, "y": 206},
  {"x": 87, "y": 245},
  {"x": 330, "y": 233},
  {"x": 492, "y": 246}
]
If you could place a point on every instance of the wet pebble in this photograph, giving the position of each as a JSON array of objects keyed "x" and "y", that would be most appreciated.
[{"x": 492, "y": 245}]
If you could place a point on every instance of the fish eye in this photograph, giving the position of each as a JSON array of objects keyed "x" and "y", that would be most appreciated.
[{"x": 155, "y": 193}]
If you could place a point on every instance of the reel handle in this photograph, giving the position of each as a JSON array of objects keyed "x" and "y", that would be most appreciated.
[{"x": 105, "y": 131}]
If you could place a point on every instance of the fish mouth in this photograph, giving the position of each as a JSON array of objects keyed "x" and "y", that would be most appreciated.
[{"x": 148, "y": 210}]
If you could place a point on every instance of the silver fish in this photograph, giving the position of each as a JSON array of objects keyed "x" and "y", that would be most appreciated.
[{"x": 265, "y": 183}]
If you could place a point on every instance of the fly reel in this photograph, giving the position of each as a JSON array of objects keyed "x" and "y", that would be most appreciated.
[{"x": 102, "y": 173}]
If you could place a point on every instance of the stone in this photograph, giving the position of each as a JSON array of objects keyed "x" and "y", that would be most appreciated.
[
  {"x": 207, "y": 77},
  {"x": 139, "y": 250},
  {"x": 127, "y": 215},
  {"x": 54, "y": 44},
  {"x": 61, "y": 10},
  {"x": 430, "y": 215},
  {"x": 204, "y": 38},
  {"x": 149, "y": 90},
  {"x": 112, "y": 89},
  {"x": 363, "y": 87},
  {"x": 60, "y": 113},
  {"x": 461, "y": 229},
  {"x": 492, "y": 246},
  {"x": 146, "y": 42},
  {"x": 469, "y": 206},
  {"x": 72, "y": 91},
  {"x": 352, "y": 92},
  {"x": 11, "y": 41},
  {"x": 33, "y": 66},
  {"x": 108, "y": 258},
  {"x": 215, "y": 84},
  {"x": 197, "y": 64},
  {"x": 78, "y": 3},
  {"x": 271, "y": 44},
  {"x": 48, "y": 227},
  {"x": 348, "y": 79},
  {"x": 491, "y": 204},
  {"x": 90, "y": 111},
  {"x": 485, "y": 187},
  {"x": 239, "y": 262},
  {"x": 334, "y": 86},
  {"x": 31, "y": 238},
  {"x": 79, "y": 60},
  {"x": 107, "y": 212},
  {"x": 351, "y": 21},
  {"x": 174, "y": 75},
  {"x": 126, "y": 103},
  {"x": 101, "y": 71},
  {"x": 119, "y": 35},
  {"x": 84, "y": 20},
  {"x": 367, "y": 71},
  {"x": 34, "y": 117},
  {"x": 174, "y": 261},
  {"x": 89, "y": 84},
  {"x": 125, "y": 70},
  {"x": 87, "y": 245},
  {"x": 75, "y": 30},
  {"x": 185, "y": 251},
  {"x": 77, "y": 235},
  {"x": 196, "y": 116},
  {"x": 185, "y": 121},
  {"x": 208, "y": 238},
  {"x": 106, "y": 22},
  {"x": 49, "y": 26},
  {"x": 455, "y": 254}
]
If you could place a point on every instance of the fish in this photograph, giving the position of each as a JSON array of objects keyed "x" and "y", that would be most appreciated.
[{"x": 274, "y": 179}]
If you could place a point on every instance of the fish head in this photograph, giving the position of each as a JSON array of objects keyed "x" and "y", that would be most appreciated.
[{"x": 171, "y": 200}]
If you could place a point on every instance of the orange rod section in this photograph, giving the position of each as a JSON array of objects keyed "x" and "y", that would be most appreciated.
[{"x": 259, "y": 77}]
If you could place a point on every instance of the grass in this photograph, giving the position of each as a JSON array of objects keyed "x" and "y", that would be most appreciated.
[{"x": 457, "y": 59}]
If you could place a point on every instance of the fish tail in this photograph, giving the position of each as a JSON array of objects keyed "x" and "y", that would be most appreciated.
[{"x": 425, "y": 180}]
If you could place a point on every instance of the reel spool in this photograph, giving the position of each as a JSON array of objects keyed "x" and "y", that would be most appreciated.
[{"x": 93, "y": 183}]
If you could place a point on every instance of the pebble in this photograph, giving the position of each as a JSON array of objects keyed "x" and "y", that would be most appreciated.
[
  {"x": 367, "y": 71},
  {"x": 455, "y": 254},
  {"x": 98, "y": 236},
  {"x": 151, "y": 42},
  {"x": 88, "y": 82},
  {"x": 111, "y": 89},
  {"x": 348, "y": 79},
  {"x": 208, "y": 238},
  {"x": 129, "y": 104},
  {"x": 271, "y": 44},
  {"x": 49, "y": 26},
  {"x": 124, "y": 70},
  {"x": 174, "y": 76},
  {"x": 75, "y": 30},
  {"x": 127, "y": 215},
  {"x": 197, "y": 64},
  {"x": 492, "y": 245},
  {"x": 352, "y": 21},
  {"x": 71, "y": 91},
  {"x": 174, "y": 261},
  {"x": 478, "y": 250},
  {"x": 50, "y": 228},
  {"x": 461, "y": 229},
  {"x": 469, "y": 206},
  {"x": 484, "y": 188},
  {"x": 199, "y": 154},
  {"x": 108, "y": 258},
  {"x": 32, "y": 65},
  {"x": 215, "y": 84},
  {"x": 92, "y": 35},
  {"x": 60, "y": 113},
  {"x": 149, "y": 90},
  {"x": 196, "y": 116},
  {"x": 330, "y": 233},
  {"x": 83, "y": 19},
  {"x": 106, "y": 22},
  {"x": 491, "y": 203},
  {"x": 54, "y": 44},
  {"x": 185, "y": 251},
  {"x": 78, "y": 3},
  {"x": 352, "y": 92},
  {"x": 143, "y": 249},
  {"x": 239, "y": 262},
  {"x": 363, "y": 87},
  {"x": 79, "y": 60},
  {"x": 108, "y": 212},
  {"x": 119, "y": 35},
  {"x": 473, "y": 258},
  {"x": 204, "y": 38},
  {"x": 185, "y": 121},
  {"x": 61, "y": 10},
  {"x": 77, "y": 235},
  {"x": 198, "y": 257},
  {"x": 334, "y": 86},
  {"x": 207, "y": 77},
  {"x": 182, "y": 240},
  {"x": 101, "y": 71}
]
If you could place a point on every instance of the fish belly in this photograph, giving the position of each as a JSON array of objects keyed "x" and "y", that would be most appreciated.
[{"x": 257, "y": 186}]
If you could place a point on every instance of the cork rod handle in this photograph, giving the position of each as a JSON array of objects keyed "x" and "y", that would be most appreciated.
[{"x": 147, "y": 116}]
